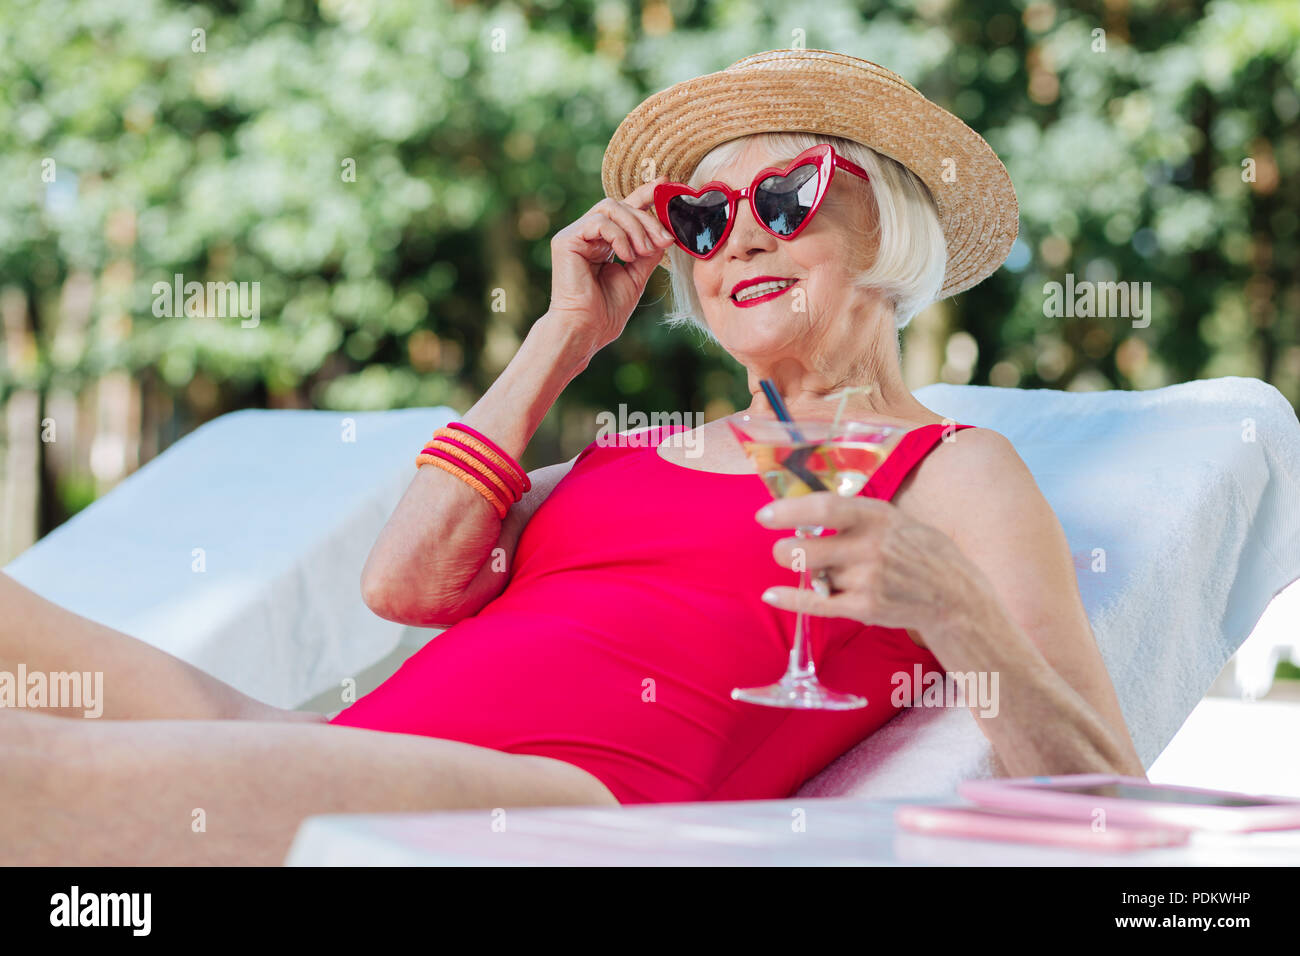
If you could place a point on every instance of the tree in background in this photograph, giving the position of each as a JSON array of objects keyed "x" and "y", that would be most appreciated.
[{"x": 390, "y": 175}]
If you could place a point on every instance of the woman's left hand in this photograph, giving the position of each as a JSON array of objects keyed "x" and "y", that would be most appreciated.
[{"x": 883, "y": 567}]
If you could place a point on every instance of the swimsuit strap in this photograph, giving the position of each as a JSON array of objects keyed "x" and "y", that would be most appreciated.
[{"x": 911, "y": 449}]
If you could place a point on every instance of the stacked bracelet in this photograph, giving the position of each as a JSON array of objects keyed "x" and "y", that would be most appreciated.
[
  {"x": 459, "y": 471},
  {"x": 479, "y": 462},
  {"x": 491, "y": 449}
]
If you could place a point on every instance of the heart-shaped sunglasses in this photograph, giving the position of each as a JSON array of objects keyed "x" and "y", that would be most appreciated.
[{"x": 783, "y": 201}]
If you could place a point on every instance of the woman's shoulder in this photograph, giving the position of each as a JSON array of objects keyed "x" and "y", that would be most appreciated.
[
  {"x": 963, "y": 470},
  {"x": 997, "y": 494},
  {"x": 970, "y": 454}
]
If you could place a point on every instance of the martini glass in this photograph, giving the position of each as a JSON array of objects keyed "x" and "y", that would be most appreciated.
[{"x": 798, "y": 458}]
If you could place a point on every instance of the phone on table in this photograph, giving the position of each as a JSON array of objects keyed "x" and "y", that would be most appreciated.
[
  {"x": 1134, "y": 801},
  {"x": 986, "y": 824}
]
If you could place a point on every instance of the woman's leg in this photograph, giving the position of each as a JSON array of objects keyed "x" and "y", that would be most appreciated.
[
  {"x": 140, "y": 681},
  {"x": 234, "y": 792}
]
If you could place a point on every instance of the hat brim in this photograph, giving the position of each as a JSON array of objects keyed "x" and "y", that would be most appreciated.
[{"x": 831, "y": 94}]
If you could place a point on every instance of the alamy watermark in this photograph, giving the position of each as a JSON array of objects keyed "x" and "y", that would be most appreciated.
[
  {"x": 946, "y": 689},
  {"x": 1087, "y": 299},
  {"x": 612, "y": 426},
  {"x": 129, "y": 910},
  {"x": 38, "y": 689},
  {"x": 216, "y": 300}
]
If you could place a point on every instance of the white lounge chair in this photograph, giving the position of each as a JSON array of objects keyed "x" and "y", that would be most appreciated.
[{"x": 1181, "y": 506}]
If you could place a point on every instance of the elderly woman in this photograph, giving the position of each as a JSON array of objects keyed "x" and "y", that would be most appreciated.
[{"x": 599, "y": 611}]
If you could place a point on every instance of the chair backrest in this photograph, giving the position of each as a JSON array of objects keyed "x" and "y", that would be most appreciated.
[{"x": 240, "y": 548}]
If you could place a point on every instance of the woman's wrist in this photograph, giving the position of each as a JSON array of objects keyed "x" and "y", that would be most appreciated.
[
  {"x": 1037, "y": 722},
  {"x": 573, "y": 340},
  {"x": 552, "y": 354}
]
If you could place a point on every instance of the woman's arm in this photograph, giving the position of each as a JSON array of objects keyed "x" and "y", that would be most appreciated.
[
  {"x": 989, "y": 587},
  {"x": 1058, "y": 711},
  {"x": 436, "y": 560},
  {"x": 1041, "y": 724}
]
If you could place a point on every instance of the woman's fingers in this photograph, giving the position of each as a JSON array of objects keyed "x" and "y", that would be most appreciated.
[
  {"x": 598, "y": 226},
  {"x": 643, "y": 195},
  {"x": 641, "y": 228},
  {"x": 642, "y": 200},
  {"x": 622, "y": 228},
  {"x": 809, "y": 602},
  {"x": 639, "y": 224},
  {"x": 818, "y": 553},
  {"x": 824, "y": 509},
  {"x": 656, "y": 228}
]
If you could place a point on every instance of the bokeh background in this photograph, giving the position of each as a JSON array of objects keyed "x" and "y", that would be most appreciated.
[{"x": 389, "y": 171}]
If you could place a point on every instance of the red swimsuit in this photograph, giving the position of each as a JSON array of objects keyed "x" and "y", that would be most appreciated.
[{"x": 632, "y": 611}]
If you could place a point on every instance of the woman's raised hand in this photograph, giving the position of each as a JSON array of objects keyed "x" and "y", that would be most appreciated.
[{"x": 594, "y": 294}]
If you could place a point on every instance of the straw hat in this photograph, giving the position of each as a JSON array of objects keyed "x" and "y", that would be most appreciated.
[{"x": 831, "y": 94}]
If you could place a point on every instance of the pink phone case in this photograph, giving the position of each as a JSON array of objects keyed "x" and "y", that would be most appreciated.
[
  {"x": 985, "y": 824},
  {"x": 1036, "y": 796}
]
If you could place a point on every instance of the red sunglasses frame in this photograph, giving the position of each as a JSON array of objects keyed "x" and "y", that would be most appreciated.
[{"x": 823, "y": 156}]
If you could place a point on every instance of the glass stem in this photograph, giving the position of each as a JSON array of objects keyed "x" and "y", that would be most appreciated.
[{"x": 801, "y": 662}]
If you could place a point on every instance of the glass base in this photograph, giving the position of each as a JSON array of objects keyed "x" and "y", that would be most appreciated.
[{"x": 802, "y": 694}]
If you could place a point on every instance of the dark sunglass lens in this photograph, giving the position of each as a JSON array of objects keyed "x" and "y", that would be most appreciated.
[
  {"x": 783, "y": 202},
  {"x": 698, "y": 221}
]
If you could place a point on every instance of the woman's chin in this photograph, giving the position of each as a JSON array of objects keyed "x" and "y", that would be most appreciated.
[{"x": 761, "y": 329}]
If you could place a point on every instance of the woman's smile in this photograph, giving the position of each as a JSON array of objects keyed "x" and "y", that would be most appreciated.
[{"x": 761, "y": 290}]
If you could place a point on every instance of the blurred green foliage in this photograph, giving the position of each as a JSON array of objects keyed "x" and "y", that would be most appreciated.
[{"x": 218, "y": 140}]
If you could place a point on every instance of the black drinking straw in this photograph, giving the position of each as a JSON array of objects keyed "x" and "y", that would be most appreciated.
[
  {"x": 794, "y": 462},
  {"x": 778, "y": 405}
]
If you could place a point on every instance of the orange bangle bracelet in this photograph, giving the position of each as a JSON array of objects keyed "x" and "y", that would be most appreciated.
[
  {"x": 469, "y": 479},
  {"x": 506, "y": 492},
  {"x": 509, "y": 467}
]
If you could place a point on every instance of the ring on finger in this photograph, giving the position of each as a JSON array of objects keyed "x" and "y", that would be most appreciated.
[{"x": 821, "y": 583}]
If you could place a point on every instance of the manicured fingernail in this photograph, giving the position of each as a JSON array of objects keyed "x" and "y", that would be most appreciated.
[
  {"x": 769, "y": 596},
  {"x": 764, "y": 513}
]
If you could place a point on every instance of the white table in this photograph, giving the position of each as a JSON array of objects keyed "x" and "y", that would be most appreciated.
[{"x": 841, "y": 832}]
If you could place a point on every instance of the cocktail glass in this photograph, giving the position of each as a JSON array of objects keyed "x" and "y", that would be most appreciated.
[{"x": 798, "y": 458}]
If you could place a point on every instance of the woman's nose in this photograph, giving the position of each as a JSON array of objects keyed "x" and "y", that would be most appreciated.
[{"x": 747, "y": 236}]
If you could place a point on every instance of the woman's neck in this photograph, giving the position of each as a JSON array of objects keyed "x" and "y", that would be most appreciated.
[{"x": 811, "y": 395}]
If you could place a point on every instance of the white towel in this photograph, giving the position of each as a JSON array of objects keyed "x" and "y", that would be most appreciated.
[
  {"x": 240, "y": 548},
  {"x": 1193, "y": 492}
]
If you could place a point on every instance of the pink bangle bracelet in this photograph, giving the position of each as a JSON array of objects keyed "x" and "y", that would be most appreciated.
[
  {"x": 510, "y": 481},
  {"x": 521, "y": 474},
  {"x": 493, "y": 495}
]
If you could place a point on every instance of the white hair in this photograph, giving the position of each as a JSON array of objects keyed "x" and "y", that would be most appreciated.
[{"x": 911, "y": 252}]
